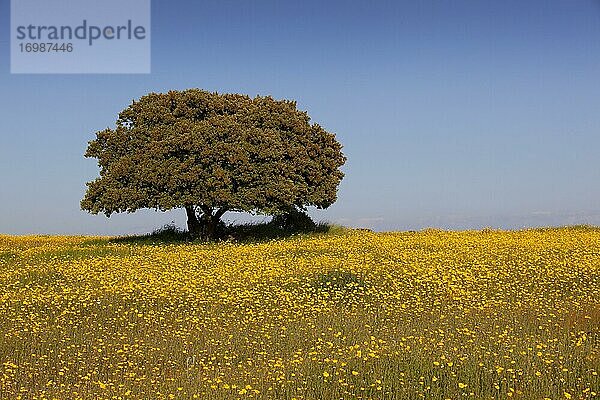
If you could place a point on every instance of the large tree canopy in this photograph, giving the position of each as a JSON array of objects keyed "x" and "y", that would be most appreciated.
[{"x": 211, "y": 153}]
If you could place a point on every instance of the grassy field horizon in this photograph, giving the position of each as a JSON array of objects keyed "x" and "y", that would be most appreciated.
[
  {"x": 324, "y": 227},
  {"x": 434, "y": 314}
]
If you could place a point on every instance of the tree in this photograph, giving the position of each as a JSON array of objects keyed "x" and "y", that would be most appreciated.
[{"x": 210, "y": 153}]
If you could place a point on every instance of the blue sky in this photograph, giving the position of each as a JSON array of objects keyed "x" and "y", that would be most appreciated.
[{"x": 458, "y": 115}]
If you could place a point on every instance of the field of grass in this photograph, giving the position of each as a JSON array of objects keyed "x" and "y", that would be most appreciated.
[{"x": 353, "y": 314}]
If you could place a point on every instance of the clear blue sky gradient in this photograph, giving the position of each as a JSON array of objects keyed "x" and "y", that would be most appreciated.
[{"x": 458, "y": 114}]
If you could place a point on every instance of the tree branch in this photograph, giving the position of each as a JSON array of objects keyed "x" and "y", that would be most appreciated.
[
  {"x": 206, "y": 210},
  {"x": 220, "y": 212}
]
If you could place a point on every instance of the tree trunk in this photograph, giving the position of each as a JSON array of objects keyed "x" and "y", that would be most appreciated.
[
  {"x": 193, "y": 224},
  {"x": 211, "y": 227},
  {"x": 210, "y": 220}
]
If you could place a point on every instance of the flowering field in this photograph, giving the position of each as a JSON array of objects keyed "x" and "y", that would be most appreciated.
[{"x": 434, "y": 314}]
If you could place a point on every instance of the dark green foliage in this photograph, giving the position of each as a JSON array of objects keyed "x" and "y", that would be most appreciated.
[
  {"x": 211, "y": 153},
  {"x": 294, "y": 221},
  {"x": 266, "y": 231},
  {"x": 169, "y": 232}
]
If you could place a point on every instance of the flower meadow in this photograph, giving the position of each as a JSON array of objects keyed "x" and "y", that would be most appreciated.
[{"x": 348, "y": 315}]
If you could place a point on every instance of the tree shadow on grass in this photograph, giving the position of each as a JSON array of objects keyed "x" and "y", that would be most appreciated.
[
  {"x": 168, "y": 234},
  {"x": 235, "y": 233}
]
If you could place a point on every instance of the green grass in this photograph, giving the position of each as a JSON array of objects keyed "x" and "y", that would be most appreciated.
[{"x": 336, "y": 314}]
